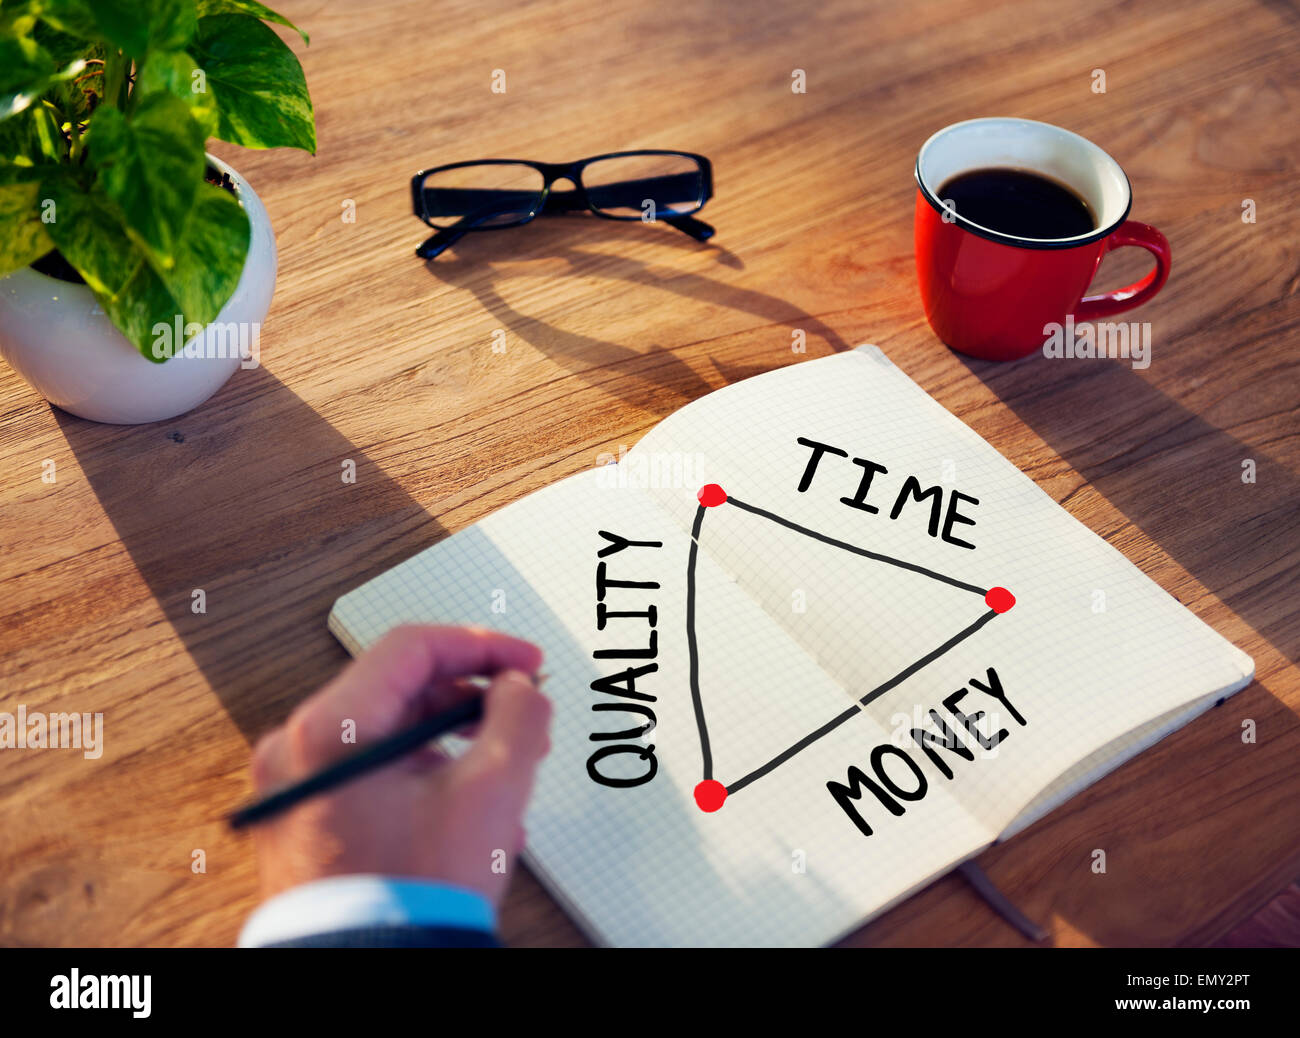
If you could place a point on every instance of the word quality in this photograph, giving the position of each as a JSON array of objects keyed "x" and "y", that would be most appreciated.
[
  {"x": 911, "y": 490},
  {"x": 622, "y": 683},
  {"x": 905, "y": 779}
]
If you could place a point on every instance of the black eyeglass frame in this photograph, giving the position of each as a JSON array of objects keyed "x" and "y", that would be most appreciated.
[{"x": 568, "y": 201}]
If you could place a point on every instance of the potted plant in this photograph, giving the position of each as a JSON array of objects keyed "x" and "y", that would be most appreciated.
[{"x": 135, "y": 268}]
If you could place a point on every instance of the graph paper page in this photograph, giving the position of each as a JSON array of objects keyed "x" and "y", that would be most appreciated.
[
  {"x": 1091, "y": 652},
  {"x": 828, "y": 641},
  {"x": 643, "y": 865}
]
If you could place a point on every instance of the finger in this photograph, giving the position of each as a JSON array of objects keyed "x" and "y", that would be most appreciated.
[
  {"x": 268, "y": 765},
  {"x": 442, "y": 693},
  {"x": 439, "y": 695},
  {"x": 427, "y": 758},
  {"x": 383, "y": 690},
  {"x": 514, "y": 733},
  {"x": 398, "y": 669},
  {"x": 479, "y": 686}
]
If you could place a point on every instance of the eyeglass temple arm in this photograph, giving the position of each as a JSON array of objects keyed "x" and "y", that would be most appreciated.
[
  {"x": 632, "y": 193},
  {"x": 673, "y": 187},
  {"x": 437, "y": 244},
  {"x": 568, "y": 203},
  {"x": 697, "y": 229}
]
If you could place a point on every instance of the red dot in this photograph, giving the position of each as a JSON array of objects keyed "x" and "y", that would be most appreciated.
[
  {"x": 710, "y": 794},
  {"x": 999, "y": 599},
  {"x": 711, "y": 494}
]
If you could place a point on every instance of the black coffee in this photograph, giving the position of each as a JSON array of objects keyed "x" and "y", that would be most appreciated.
[{"x": 1017, "y": 202}]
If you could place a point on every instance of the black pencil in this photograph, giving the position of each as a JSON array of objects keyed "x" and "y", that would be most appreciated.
[{"x": 374, "y": 756}]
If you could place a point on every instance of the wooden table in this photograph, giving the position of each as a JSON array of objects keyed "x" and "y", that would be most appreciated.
[{"x": 371, "y": 355}]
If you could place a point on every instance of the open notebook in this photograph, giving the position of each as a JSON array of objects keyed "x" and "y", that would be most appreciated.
[{"x": 853, "y": 647}]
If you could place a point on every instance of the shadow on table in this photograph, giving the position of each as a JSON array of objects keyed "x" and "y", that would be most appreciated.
[
  {"x": 479, "y": 262},
  {"x": 1174, "y": 475},
  {"x": 243, "y": 499}
]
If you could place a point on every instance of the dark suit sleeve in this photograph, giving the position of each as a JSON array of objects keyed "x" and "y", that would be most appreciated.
[{"x": 396, "y": 937}]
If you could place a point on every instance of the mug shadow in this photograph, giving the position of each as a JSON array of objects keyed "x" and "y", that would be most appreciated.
[
  {"x": 480, "y": 262},
  {"x": 1168, "y": 471},
  {"x": 245, "y": 538}
]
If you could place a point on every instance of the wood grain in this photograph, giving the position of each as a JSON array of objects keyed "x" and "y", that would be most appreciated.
[{"x": 371, "y": 355}]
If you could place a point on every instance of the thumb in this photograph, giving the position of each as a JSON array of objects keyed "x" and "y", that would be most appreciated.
[{"x": 515, "y": 730}]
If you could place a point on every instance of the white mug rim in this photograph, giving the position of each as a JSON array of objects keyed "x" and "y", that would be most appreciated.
[{"x": 1109, "y": 228}]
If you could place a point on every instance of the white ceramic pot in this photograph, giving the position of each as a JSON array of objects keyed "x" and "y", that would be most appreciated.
[{"x": 56, "y": 336}]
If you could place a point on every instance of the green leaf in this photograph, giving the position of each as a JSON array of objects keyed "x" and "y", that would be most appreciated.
[
  {"x": 259, "y": 86},
  {"x": 31, "y": 139},
  {"x": 26, "y": 72},
  {"x": 208, "y": 267},
  {"x": 150, "y": 164},
  {"x": 64, "y": 47},
  {"x": 17, "y": 17},
  {"x": 134, "y": 26},
  {"x": 23, "y": 237},
  {"x": 87, "y": 232},
  {"x": 77, "y": 97},
  {"x": 12, "y": 173},
  {"x": 70, "y": 16},
  {"x": 175, "y": 73},
  {"x": 22, "y": 61},
  {"x": 142, "y": 303},
  {"x": 146, "y": 313},
  {"x": 207, "y": 7},
  {"x": 50, "y": 143},
  {"x": 205, "y": 277}
]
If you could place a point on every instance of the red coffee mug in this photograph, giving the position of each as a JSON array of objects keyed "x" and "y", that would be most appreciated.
[{"x": 993, "y": 295}]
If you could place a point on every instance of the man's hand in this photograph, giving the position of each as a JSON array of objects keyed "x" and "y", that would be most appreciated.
[{"x": 426, "y": 815}]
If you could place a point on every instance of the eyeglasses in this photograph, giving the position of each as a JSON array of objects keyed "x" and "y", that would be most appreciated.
[{"x": 492, "y": 194}]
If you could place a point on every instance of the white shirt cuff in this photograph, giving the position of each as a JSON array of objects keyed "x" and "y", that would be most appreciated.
[{"x": 350, "y": 902}]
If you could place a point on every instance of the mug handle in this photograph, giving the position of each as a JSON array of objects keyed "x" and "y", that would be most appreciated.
[{"x": 1144, "y": 236}]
